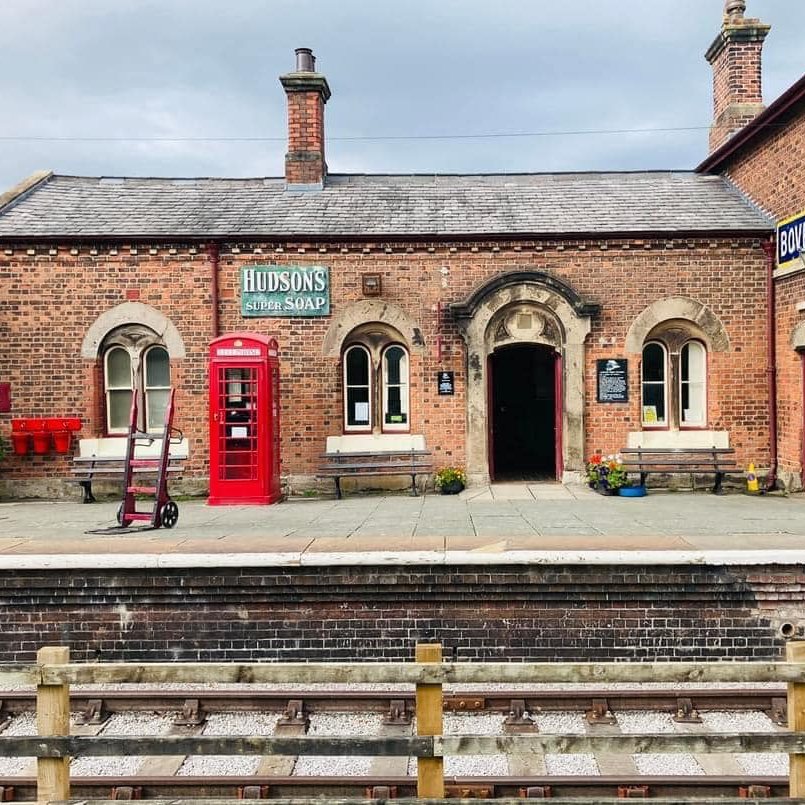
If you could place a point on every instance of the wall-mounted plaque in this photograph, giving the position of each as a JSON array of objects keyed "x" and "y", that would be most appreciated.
[
  {"x": 446, "y": 382},
  {"x": 285, "y": 291},
  {"x": 613, "y": 380}
]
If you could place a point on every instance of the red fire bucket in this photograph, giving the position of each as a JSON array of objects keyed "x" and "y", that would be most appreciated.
[
  {"x": 61, "y": 441},
  {"x": 41, "y": 442},
  {"x": 21, "y": 443}
]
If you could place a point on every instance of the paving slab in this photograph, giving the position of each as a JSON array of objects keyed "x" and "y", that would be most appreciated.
[{"x": 527, "y": 523}]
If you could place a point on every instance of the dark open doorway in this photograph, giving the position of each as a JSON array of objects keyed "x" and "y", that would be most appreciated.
[{"x": 523, "y": 405}]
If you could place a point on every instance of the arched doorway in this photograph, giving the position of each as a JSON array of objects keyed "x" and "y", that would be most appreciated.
[
  {"x": 534, "y": 309},
  {"x": 525, "y": 421}
]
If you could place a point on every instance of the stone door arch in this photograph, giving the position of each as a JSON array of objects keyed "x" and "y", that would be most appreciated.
[{"x": 525, "y": 307}]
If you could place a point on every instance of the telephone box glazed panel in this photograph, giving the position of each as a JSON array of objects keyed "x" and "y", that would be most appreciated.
[{"x": 244, "y": 420}]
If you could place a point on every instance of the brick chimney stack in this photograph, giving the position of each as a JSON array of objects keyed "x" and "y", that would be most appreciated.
[
  {"x": 735, "y": 58},
  {"x": 307, "y": 93}
]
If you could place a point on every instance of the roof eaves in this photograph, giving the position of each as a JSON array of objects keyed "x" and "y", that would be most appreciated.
[
  {"x": 748, "y": 231},
  {"x": 754, "y": 128},
  {"x": 23, "y": 189}
]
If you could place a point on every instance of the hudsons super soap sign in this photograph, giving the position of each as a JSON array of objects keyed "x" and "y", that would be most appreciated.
[{"x": 285, "y": 291}]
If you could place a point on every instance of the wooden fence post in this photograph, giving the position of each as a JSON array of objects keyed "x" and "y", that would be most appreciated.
[
  {"x": 52, "y": 718},
  {"x": 430, "y": 771},
  {"x": 795, "y": 652}
]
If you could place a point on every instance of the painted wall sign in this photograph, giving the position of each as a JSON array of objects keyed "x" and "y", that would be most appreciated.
[
  {"x": 285, "y": 291},
  {"x": 613, "y": 380},
  {"x": 791, "y": 241},
  {"x": 446, "y": 382}
]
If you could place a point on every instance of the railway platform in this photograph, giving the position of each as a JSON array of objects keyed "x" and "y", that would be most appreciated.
[
  {"x": 499, "y": 524},
  {"x": 518, "y": 572}
]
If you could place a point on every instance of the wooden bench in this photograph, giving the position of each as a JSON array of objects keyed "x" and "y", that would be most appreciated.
[
  {"x": 87, "y": 468},
  {"x": 681, "y": 460},
  {"x": 339, "y": 464}
]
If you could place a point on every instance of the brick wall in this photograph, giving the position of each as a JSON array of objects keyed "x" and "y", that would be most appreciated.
[
  {"x": 771, "y": 170},
  {"x": 528, "y": 613},
  {"x": 50, "y": 300}
]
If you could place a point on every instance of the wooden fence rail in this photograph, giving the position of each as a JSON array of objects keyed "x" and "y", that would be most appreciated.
[{"x": 54, "y": 746}]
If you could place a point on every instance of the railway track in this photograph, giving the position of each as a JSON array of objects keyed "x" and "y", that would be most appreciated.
[{"x": 190, "y": 708}]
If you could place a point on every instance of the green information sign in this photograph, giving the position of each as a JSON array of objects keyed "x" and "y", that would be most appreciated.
[{"x": 285, "y": 291}]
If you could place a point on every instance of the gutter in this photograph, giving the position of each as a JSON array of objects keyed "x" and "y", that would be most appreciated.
[
  {"x": 391, "y": 237},
  {"x": 214, "y": 252}
]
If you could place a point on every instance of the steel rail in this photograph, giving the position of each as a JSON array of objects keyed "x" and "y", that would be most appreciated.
[
  {"x": 597, "y": 787},
  {"x": 318, "y": 700}
]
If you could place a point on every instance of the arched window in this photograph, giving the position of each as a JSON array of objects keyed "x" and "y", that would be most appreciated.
[
  {"x": 357, "y": 389},
  {"x": 119, "y": 383},
  {"x": 134, "y": 361},
  {"x": 654, "y": 383},
  {"x": 376, "y": 371},
  {"x": 693, "y": 384},
  {"x": 395, "y": 388}
]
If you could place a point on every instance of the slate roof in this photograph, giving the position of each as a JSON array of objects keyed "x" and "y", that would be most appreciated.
[{"x": 356, "y": 205}]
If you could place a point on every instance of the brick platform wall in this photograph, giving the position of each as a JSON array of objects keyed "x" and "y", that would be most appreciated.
[
  {"x": 50, "y": 301},
  {"x": 526, "y": 613}
]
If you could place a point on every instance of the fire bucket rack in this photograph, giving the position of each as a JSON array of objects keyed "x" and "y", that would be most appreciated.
[{"x": 43, "y": 435}]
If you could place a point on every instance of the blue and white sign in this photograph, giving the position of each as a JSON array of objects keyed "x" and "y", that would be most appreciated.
[{"x": 791, "y": 241}]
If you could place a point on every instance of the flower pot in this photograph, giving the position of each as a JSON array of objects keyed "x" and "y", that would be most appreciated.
[
  {"x": 607, "y": 491},
  {"x": 41, "y": 443},
  {"x": 61, "y": 441},
  {"x": 451, "y": 488},
  {"x": 21, "y": 443}
]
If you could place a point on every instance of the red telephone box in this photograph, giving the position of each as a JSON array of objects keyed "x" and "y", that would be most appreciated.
[{"x": 244, "y": 420}]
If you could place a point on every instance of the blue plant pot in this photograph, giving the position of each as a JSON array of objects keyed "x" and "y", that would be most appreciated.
[{"x": 632, "y": 491}]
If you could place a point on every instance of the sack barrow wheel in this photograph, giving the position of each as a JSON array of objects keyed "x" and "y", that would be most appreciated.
[
  {"x": 119, "y": 516},
  {"x": 169, "y": 514}
]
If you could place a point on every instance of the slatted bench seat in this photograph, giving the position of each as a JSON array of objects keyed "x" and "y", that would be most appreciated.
[
  {"x": 338, "y": 465},
  {"x": 87, "y": 468},
  {"x": 106, "y": 458},
  {"x": 679, "y": 461}
]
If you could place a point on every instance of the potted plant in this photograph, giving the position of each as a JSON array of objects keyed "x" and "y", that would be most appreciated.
[
  {"x": 606, "y": 474},
  {"x": 450, "y": 480}
]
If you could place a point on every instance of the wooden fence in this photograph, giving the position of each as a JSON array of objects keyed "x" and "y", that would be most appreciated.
[{"x": 54, "y": 746}]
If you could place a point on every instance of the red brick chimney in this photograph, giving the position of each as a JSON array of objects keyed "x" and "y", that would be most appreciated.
[
  {"x": 307, "y": 92},
  {"x": 735, "y": 57}
]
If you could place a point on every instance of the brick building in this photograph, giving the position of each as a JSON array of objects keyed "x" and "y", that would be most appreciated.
[
  {"x": 566, "y": 313},
  {"x": 762, "y": 152}
]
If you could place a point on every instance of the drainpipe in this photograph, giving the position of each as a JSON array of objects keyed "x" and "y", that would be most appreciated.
[
  {"x": 770, "y": 248},
  {"x": 213, "y": 251}
]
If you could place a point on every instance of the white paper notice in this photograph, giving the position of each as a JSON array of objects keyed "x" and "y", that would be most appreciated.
[
  {"x": 361, "y": 411},
  {"x": 240, "y": 432}
]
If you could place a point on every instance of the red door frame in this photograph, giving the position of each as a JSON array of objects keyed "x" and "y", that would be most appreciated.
[{"x": 490, "y": 417}]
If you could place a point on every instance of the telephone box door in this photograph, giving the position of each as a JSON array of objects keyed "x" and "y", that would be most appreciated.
[{"x": 244, "y": 426}]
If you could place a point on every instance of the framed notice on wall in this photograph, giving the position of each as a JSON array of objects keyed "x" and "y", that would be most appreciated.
[{"x": 613, "y": 380}]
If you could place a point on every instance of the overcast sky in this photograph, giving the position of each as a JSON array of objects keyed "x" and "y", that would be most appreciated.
[{"x": 410, "y": 68}]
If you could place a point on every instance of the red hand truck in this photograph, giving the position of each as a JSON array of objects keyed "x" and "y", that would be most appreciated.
[{"x": 164, "y": 511}]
